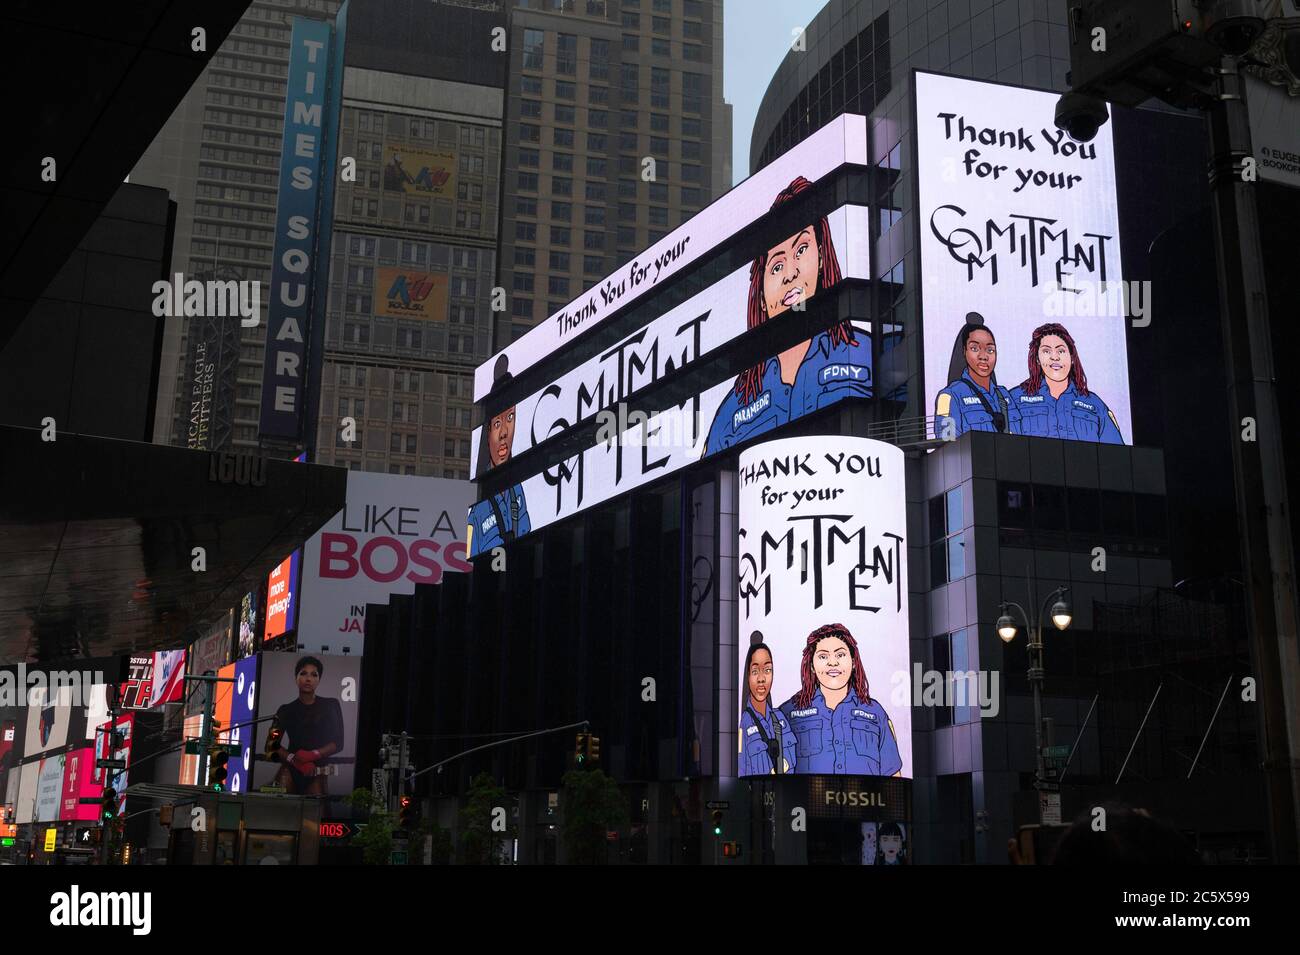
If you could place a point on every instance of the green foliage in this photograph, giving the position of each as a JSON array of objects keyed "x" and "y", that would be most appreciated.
[
  {"x": 441, "y": 839},
  {"x": 363, "y": 802},
  {"x": 479, "y": 844},
  {"x": 592, "y": 805},
  {"x": 376, "y": 838}
]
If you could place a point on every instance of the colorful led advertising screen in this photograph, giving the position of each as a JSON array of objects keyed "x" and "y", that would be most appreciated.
[
  {"x": 419, "y": 171},
  {"x": 823, "y": 612},
  {"x": 168, "y": 677},
  {"x": 1023, "y": 307},
  {"x": 841, "y": 141},
  {"x": 281, "y": 599},
  {"x": 314, "y": 699},
  {"x": 829, "y": 367},
  {"x": 410, "y": 293},
  {"x": 241, "y": 733}
]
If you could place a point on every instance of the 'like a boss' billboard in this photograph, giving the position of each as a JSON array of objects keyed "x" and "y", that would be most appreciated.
[{"x": 394, "y": 532}]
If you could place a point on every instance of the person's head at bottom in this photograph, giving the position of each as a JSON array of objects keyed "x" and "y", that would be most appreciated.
[{"x": 1120, "y": 835}]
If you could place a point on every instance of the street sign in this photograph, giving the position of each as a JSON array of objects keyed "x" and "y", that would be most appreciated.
[
  {"x": 718, "y": 804},
  {"x": 271, "y": 789},
  {"x": 398, "y": 858},
  {"x": 50, "y": 836},
  {"x": 1056, "y": 752},
  {"x": 1049, "y": 787},
  {"x": 110, "y": 764},
  {"x": 193, "y": 747}
]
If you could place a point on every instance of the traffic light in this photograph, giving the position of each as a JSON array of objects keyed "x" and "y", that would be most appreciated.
[
  {"x": 731, "y": 850},
  {"x": 108, "y": 809},
  {"x": 273, "y": 738},
  {"x": 217, "y": 771},
  {"x": 580, "y": 750},
  {"x": 409, "y": 816},
  {"x": 717, "y": 822},
  {"x": 593, "y": 750}
]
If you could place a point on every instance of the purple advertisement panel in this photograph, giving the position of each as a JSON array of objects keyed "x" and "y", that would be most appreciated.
[{"x": 243, "y": 733}]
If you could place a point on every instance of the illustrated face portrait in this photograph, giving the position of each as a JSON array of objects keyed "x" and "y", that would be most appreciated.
[
  {"x": 760, "y": 676},
  {"x": 308, "y": 679},
  {"x": 1054, "y": 357},
  {"x": 501, "y": 435},
  {"x": 981, "y": 353},
  {"x": 891, "y": 846},
  {"x": 869, "y": 841},
  {"x": 833, "y": 663},
  {"x": 791, "y": 273}
]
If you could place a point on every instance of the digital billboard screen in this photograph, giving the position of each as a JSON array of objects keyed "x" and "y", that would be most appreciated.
[
  {"x": 1021, "y": 275},
  {"x": 394, "y": 531},
  {"x": 823, "y": 609},
  {"x": 168, "y": 677},
  {"x": 816, "y": 373},
  {"x": 242, "y": 734},
  {"x": 314, "y": 699},
  {"x": 281, "y": 600}
]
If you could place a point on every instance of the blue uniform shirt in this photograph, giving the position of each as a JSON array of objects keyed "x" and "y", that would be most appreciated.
[
  {"x": 828, "y": 373},
  {"x": 961, "y": 402},
  {"x": 854, "y": 738},
  {"x": 1069, "y": 416},
  {"x": 754, "y": 757},
  {"x": 489, "y": 526}
]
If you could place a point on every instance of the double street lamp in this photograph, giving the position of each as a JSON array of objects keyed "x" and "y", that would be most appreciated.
[{"x": 1061, "y": 616}]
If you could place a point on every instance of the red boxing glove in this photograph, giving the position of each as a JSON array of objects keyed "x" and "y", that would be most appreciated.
[{"x": 304, "y": 761}]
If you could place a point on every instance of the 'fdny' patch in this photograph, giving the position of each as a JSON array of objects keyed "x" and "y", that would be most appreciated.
[
  {"x": 751, "y": 410},
  {"x": 843, "y": 373},
  {"x": 1084, "y": 404},
  {"x": 865, "y": 714},
  {"x": 808, "y": 712}
]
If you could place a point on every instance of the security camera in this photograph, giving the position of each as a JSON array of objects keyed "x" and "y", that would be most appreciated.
[
  {"x": 1080, "y": 115},
  {"x": 1232, "y": 25}
]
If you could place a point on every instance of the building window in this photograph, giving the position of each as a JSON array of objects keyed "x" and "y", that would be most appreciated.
[
  {"x": 693, "y": 52},
  {"x": 562, "y": 137},
  {"x": 561, "y": 185},
  {"x": 526, "y": 231},
  {"x": 523, "y": 281},
  {"x": 658, "y": 191},
  {"x": 525, "y": 207},
  {"x": 660, "y": 47},
  {"x": 598, "y": 118},
  {"x": 596, "y": 167},
  {"x": 561, "y": 211},
  {"x": 562, "y": 162},
  {"x": 559, "y": 235},
  {"x": 595, "y": 192},
  {"x": 593, "y": 264},
  {"x": 690, "y": 196},
  {"x": 530, "y": 84},
  {"x": 529, "y": 157},
  {"x": 525, "y": 256},
  {"x": 659, "y": 85},
  {"x": 528, "y": 181},
  {"x": 631, "y": 43},
  {"x": 528, "y": 133},
  {"x": 560, "y": 261},
  {"x": 530, "y": 107},
  {"x": 565, "y": 90},
  {"x": 595, "y": 215},
  {"x": 627, "y": 118},
  {"x": 520, "y": 308},
  {"x": 564, "y": 114},
  {"x": 627, "y": 188},
  {"x": 590, "y": 241},
  {"x": 947, "y": 538},
  {"x": 597, "y": 142},
  {"x": 566, "y": 54},
  {"x": 534, "y": 46},
  {"x": 658, "y": 122}
]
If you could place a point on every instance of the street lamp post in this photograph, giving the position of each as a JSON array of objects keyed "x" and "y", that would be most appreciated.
[{"x": 1061, "y": 618}]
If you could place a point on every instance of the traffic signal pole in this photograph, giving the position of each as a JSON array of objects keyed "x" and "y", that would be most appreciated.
[{"x": 1268, "y": 556}]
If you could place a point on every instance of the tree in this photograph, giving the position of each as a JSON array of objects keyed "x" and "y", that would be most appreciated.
[
  {"x": 484, "y": 822},
  {"x": 375, "y": 838},
  {"x": 592, "y": 805}
]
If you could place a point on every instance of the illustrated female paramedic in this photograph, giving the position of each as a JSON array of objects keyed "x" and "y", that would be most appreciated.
[
  {"x": 766, "y": 739},
  {"x": 973, "y": 400},
  {"x": 838, "y": 726},
  {"x": 503, "y": 516},
  {"x": 806, "y": 376},
  {"x": 1054, "y": 401}
]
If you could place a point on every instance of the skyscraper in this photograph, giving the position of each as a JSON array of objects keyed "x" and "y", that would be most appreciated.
[{"x": 616, "y": 134}]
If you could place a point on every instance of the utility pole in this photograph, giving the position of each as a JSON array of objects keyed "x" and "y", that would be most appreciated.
[{"x": 1268, "y": 556}]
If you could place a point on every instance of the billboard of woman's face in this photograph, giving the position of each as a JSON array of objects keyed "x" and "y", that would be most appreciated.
[{"x": 791, "y": 272}]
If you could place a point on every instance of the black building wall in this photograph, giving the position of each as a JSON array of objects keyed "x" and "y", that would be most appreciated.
[{"x": 87, "y": 353}]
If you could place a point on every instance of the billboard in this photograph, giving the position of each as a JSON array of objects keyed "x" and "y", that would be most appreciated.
[
  {"x": 823, "y": 608},
  {"x": 168, "y": 677},
  {"x": 695, "y": 328},
  {"x": 394, "y": 532},
  {"x": 1274, "y": 130},
  {"x": 135, "y": 691},
  {"x": 49, "y": 787},
  {"x": 49, "y": 717},
  {"x": 242, "y": 734},
  {"x": 843, "y": 140},
  {"x": 281, "y": 600},
  {"x": 208, "y": 655},
  {"x": 79, "y": 782},
  {"x": 831, "y": 366},
  {"x": 247, "y": 626},
  {"x": 301, "y": 235},
  {"x": 407, "y": 293},
  {"x": 314, "y": 700},
  {"x": 1020, "y": 267},
  {"x": 419, "y": 171}
]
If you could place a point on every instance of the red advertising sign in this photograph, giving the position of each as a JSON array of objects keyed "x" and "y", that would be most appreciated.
[
  {"x": 78, "y": 782},
  {"x": 134, "y": 692}
]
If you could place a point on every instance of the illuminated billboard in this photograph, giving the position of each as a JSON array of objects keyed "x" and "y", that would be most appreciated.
[
  {"x": 697, "y": 327},
  {"x": 419, "y": 171},
  {"x": 242, "y": 734},
  {"x": 281, "y": 600},
  {"x": 829, "y": 367},
  {"x": 168, "y": 677},
  {"x": 247, "y": 642},
  {"x": 394, "y": 532},
  {"x": 823, "y": 609},
  {"x": 314, "y": 700},
  {"x": 79, "y": 783},
  {"x": 135, "y": 691},
  {"x": 841, "y": 141},
  {"x": 1020, "y": 267}
]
